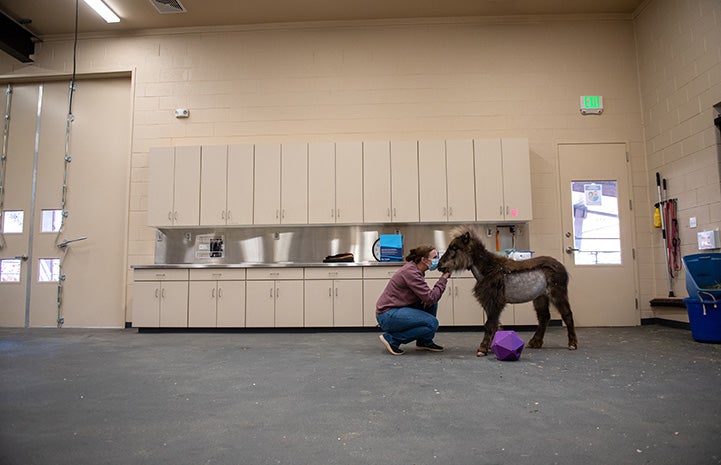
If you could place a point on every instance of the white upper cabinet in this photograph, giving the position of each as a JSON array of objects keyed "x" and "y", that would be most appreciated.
[
  {"x": 294, "y": 183},
  {"x": 281, "y": 184},
  {"x": 517, "y": 179},
  {"x": 376, "y": 182},
  {"x": 335, "y": 182},
  {"x": 404, "y": 181},
  {"x": 174, "y": 186},
  {"x": 266, "y": 206},
  {"x": 454, "y": 180},
  {"x": 349, "y": 182},
  {"x": 240, "y": 185},
  {"x": 213, "y": 184},
  {"x": 432, "y": 177},
  {"x": 445, "y": 173},
  {"x": 460, "y": 180},
  {"x": 321, "y": 183},
  {"x": 503, "y": 180}
]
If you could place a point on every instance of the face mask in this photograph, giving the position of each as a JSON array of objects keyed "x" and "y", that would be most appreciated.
[{"x": 434, "y": 264}]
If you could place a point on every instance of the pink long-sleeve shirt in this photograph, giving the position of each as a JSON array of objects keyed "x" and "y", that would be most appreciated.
[{"x": 408, "y": 288}]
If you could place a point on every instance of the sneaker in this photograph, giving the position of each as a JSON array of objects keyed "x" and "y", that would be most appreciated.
[
  {"x": 394, "y": 350},
  {"x": 430, "y": 347}
]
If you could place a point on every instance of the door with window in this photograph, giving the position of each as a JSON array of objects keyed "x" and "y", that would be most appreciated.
[
  {"x": 88, "y": 255},
  {"x": 597, "y": 225}
]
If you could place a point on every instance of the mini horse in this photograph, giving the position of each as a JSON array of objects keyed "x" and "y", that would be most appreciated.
[{"x": 501, "y": 281}]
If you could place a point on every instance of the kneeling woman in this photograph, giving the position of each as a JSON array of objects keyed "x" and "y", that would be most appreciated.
[{"x": 407, "y": 309}]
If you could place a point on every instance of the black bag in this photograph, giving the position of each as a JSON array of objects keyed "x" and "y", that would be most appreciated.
[{"x": 339, "y": 258}]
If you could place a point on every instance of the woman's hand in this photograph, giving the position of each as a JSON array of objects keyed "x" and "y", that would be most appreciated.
[{"x": 446, "y": 275}]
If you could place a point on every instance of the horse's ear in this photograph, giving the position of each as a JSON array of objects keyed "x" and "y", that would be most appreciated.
[{"x": 466, "y": 237}]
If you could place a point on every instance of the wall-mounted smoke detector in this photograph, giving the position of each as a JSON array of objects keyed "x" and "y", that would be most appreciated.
[{"x": 168, "y": 6}]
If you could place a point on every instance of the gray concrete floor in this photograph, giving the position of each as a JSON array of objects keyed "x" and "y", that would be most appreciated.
[{"x": 628, "y": 396}]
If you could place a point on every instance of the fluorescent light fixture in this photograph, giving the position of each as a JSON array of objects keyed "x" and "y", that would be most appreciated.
[{"x": 103, "y": 10}]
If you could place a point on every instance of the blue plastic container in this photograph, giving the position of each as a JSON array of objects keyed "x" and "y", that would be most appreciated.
[
  {"x": 703, "y": 271},
  {"x": 705, "y": 319}
]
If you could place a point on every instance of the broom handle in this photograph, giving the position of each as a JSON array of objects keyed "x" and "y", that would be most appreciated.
[{"x": 663, "y": 231}]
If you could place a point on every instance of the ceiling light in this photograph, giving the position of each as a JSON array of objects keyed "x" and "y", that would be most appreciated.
[{"x": 103, "y": 10}]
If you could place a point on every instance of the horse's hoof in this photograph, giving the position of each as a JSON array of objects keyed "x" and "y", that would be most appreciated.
[
  {"x": 481, "y": 354},
  {"x": 535, "y": 344},
  {"x": 572, "y": 347}
]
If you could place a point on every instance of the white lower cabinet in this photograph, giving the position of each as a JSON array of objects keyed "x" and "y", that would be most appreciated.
[
  {"x": 216, "y": 299},
  {"x": 375, "y": 280},
  {"x": 160, "y": 299},
  {"x": 274, "y": 298},
  {"x": 333, "y": 297},
  {"x": 291, "y": 298},
  {"x": 458, "y": 307},
  {"x": 524, "y": 314}
]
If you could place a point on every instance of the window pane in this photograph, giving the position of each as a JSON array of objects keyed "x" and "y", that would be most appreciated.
[
  {"x": 596, "y": 228},
  {"x": 51, "y": 220},
  {"x": 49, "y": 270},
  {"x": 10, "y": 270},
  {"x": 13, "y": 221}
]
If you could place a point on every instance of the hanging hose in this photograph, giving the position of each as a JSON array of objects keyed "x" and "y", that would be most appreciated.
[
  {"x": 66, "y": 166},
  {"x": 3, "y": 159}
]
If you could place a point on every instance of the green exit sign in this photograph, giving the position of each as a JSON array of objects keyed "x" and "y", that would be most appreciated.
[{"x": 591, "y": 104}]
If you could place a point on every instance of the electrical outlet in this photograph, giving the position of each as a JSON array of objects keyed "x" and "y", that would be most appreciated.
[
  {"x": 489, "y": 232},
  {"x": 692, "y": 222}
]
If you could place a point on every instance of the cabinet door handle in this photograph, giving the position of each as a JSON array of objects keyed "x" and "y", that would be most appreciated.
[
  {"x": 507, "y": 210},
  {"x": 332, "y": 212},
  {"x": 220, "y": 292},
  {"x": 271, "y": 293},
  {"x": 162, "y": 293},
  {"x": 445, "y": 213},
  {"x": 450, "y": 211},
  {"x": 157, "y": 293},
  {"x": 228, "y": 216},
  {"x": 500, "y": 210},
  {"x": 336, "y": 292},
  {"x": 277, "y": 213},
  {"x": 395, "y": 214},
  {"x": 222, "y": 214},
  {"x": 330, "y": 292},
  {"x": 212, "y": 293},
  {"x": 337, "y": 213},
  {"x": 175, "y": 215},
  {"x": 388, "y": 212}
]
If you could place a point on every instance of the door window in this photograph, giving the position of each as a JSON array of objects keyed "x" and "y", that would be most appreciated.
[
  {"x": 596, "y": 229},
  {"x": 49, "y": 270},
  {"x": 10, "y": 270},
  {"x": 13, "y": 221}
]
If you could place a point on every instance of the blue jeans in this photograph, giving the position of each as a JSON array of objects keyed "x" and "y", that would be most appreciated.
[{"x": 406, "y": 324}]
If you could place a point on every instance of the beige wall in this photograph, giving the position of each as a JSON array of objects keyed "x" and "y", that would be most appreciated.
[
  {"x": 356, "y": 81},
  {"x": 679, "y": 56}
]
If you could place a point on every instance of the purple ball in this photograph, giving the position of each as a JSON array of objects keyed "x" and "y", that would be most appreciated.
[{"x": 507, "y": 346}]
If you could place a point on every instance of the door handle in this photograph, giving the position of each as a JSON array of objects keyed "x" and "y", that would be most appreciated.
[{"x": 570, "y": 250}]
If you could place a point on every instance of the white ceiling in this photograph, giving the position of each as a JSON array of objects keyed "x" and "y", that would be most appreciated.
[{"x": 51, "y": 17}]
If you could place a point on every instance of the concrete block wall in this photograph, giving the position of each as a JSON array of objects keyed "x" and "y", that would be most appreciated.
[
  {"x": 380, "y": 80},
  {"x": 679, "y": 62}
]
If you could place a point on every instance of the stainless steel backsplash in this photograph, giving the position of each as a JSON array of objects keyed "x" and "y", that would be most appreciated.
[{"x": 304, "y": 244}]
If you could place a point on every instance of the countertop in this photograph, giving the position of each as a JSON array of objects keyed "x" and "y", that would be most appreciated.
[{"x": 262, "y": 265}]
